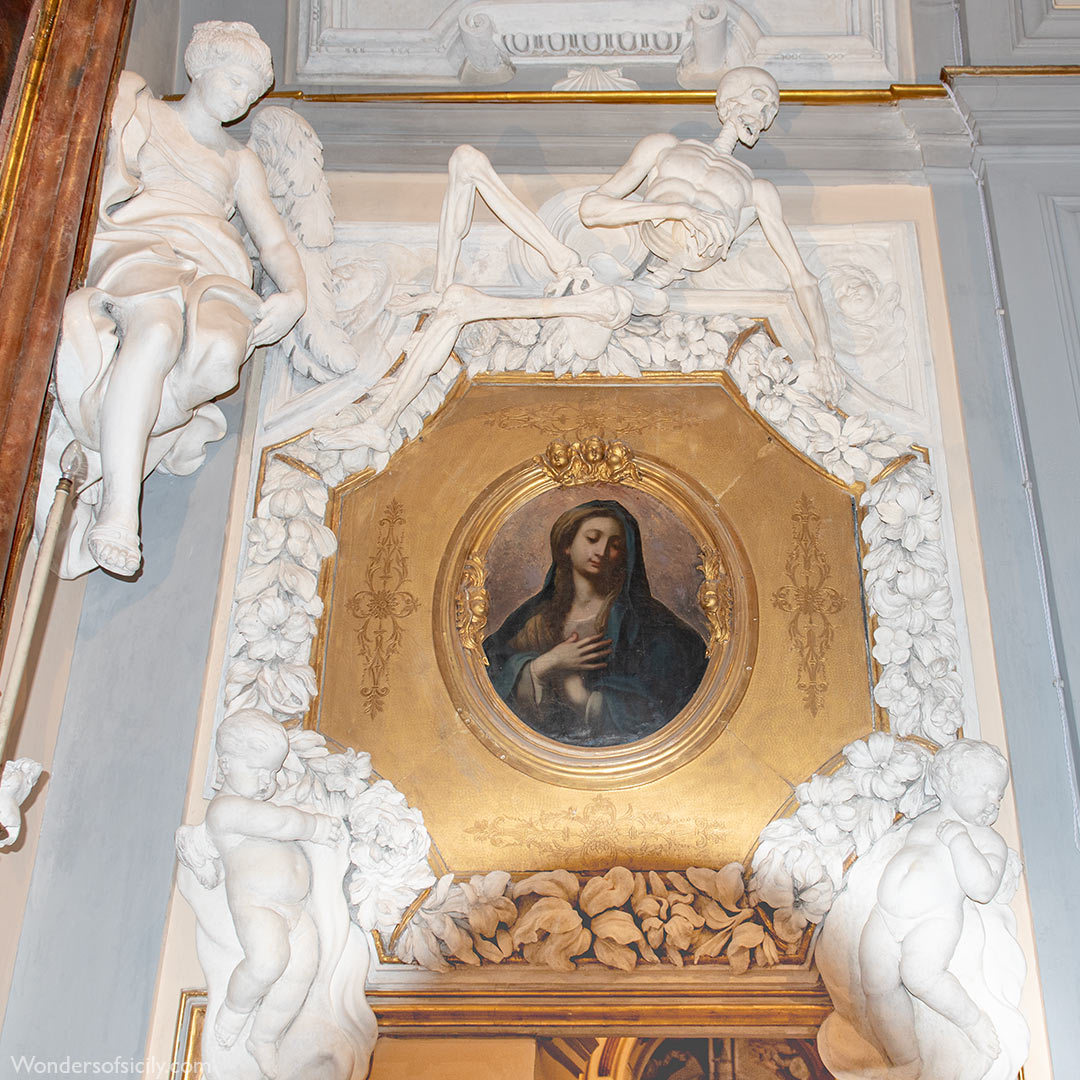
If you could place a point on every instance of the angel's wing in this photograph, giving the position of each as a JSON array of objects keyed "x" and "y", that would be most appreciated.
[
  {"x": 197, "y": 852},
  {"x": 320, "y": 345}
]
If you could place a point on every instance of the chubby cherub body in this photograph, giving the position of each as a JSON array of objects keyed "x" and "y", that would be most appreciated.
[
  {"x": 267, "y": 880},
  {"x": 951, "y": 854}
]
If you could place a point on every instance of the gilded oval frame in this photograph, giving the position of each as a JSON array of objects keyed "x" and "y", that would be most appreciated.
[{"x": 460, "y": 604}]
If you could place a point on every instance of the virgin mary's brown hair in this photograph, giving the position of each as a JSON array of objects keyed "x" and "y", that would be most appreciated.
[{"x": 545, "y": 629}]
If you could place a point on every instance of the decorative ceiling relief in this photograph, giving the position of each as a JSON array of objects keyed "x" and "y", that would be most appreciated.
[
  {"x": 607, "y": 44},
  {"x": 649, "y": 577}
]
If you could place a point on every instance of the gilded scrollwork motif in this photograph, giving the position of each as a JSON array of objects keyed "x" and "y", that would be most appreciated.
[
  {"x": 592, "y": 460},
  {"x": 810, "y": 600},
  {"x": 593, "y": 413},
  {"x": 716, "y": 598},
  {"x": 381, "y": 606},
  {"x": 597, "y": 831},
  {"x": 471, "y": 606}
]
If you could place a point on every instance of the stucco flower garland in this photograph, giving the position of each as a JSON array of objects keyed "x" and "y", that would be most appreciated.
[{"x": 915, "y": 643}]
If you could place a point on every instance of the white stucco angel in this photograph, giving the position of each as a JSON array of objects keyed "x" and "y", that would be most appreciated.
[
  {"x": 168, "y": 314},
  {"x": 264, "y": 874},
  {"x": 919, "y": 952},
  {"x": 697, "y": 199}
]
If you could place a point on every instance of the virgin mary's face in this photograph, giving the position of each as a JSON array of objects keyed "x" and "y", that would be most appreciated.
[{"x": 598, "y": 548}]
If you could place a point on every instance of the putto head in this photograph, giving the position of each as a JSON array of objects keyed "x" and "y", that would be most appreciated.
[
  {"x": 749, "y": 98},
  {"x": 971, "y": 776},
  {"x": 250, "y": 738},
  {"x": 217, "y": 44}
]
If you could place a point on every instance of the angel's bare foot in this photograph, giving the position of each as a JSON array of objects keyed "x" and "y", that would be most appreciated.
[
  {"x": 115, "y": 547},
  {"x": 266, "y": 1057},
  {"x": 406, "y": 303},
  {"x": 228, "y": 1025},
  {"x": 984, "y": 1036}
]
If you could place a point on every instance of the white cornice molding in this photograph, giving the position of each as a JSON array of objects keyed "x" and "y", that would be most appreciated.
[
  {"x": 1022, "y": 31},
  {"x": 474, "y": 42},
  {"x": 574, "y": 138},
  {"x": 1021, "y": 114}
]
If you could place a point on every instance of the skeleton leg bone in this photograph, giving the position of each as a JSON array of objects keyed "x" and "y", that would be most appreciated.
[
  {"x": 430, "y": 346},
  {"x": 470, "y": 174}
]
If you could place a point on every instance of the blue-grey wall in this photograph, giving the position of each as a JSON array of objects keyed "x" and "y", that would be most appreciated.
[
  {"x": 95, "y": 915},
  {"x": 1018, "y": 357}
]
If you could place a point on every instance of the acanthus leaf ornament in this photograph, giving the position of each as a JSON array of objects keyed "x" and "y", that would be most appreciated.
[
  {"x": 471, "y": 606},
  {"x": 716, "y": 598}
]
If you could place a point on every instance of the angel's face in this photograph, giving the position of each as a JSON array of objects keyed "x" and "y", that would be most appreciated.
[{"x": 227, "y": 91}]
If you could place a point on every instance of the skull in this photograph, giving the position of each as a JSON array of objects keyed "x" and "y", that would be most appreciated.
[{"x": 749, "y": 98}]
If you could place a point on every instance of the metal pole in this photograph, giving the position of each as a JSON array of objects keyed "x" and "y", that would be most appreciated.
[{"x": 72, "y": 465}]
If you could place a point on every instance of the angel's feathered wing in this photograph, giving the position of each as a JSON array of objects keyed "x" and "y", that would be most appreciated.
[{"x": 321, "y": 345}]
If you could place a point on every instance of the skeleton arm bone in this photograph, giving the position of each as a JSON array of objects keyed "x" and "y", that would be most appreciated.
[
  {"x": 608, "y": 205},
  {"x": 430, "y": 346},
  {"x": 807, "y": 293}
]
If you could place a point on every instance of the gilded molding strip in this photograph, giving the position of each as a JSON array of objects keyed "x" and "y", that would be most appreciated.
[
  {"x": 292, "y": 462},
  {"x": 875, "y": 95},
  {"x": 23, "y": 123},
  {"x": 868, "y": 95},
  {"x": 381, "y": 607},
  {"x": 810, "y": 601},
  {"x": 1003, "y": 71},
  {"x": 796, "y": 1015},
  {"x": 896, "y": 464},
  {"x": 187, "y": 1040}
]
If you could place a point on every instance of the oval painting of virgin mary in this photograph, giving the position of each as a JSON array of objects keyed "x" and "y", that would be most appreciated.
[{"x": 594, "y": 658}]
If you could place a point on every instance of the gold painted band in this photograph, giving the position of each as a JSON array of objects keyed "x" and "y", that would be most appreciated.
[{"x": 874, "y": 95}]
